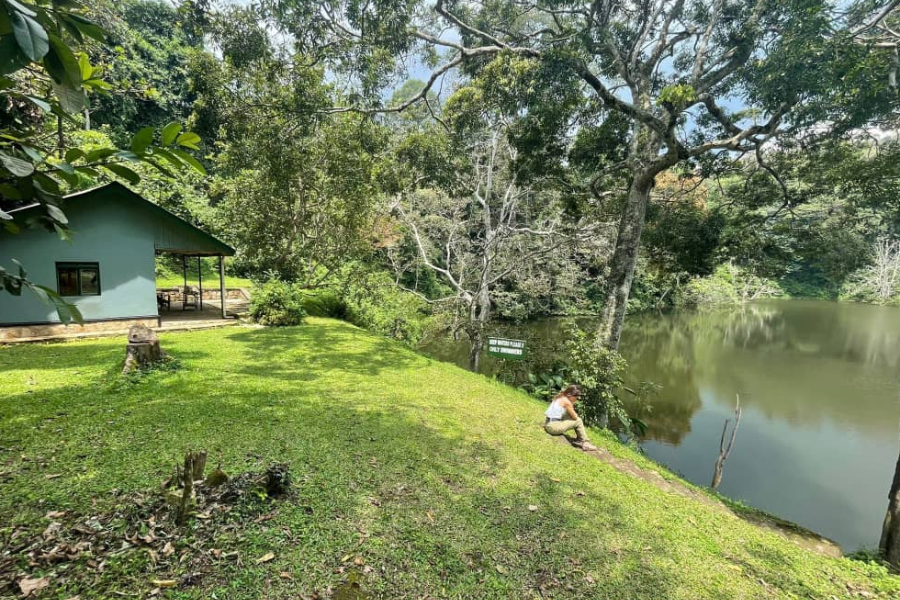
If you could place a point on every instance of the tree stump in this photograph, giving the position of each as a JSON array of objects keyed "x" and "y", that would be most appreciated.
[{"x": 143, "y": 349}]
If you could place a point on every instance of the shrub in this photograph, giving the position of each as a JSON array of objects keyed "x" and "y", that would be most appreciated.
[
  {"x": 277, "y": 303},
  {"x": 729, "y": 284},
  {"x": 598, "y": 370},
  {"x": 326, "y": 303},
  {"x": 374, "y": 302}
]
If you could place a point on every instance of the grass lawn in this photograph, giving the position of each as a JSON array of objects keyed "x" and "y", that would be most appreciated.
[
  {"x": 210, "y": 271},
  {"x": 211, "y": 282},
  {"x": 423, "y": 479}
]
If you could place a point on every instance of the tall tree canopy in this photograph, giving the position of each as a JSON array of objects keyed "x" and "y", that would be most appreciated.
[{"x": 691, "y": 82}]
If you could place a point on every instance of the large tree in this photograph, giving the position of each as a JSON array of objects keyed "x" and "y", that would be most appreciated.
[{"x": 693, "y": 81}]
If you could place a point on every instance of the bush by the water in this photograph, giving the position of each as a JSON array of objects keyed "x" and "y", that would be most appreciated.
[
  {"x": 278, "y": 304},
  {"x": 598, "y": 370},
  {"x": 374, "y": 302},
  {"x": 729, "y": 284}
]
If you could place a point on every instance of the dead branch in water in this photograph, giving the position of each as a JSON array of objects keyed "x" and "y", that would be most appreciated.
[{"x": 724, "y": 450}]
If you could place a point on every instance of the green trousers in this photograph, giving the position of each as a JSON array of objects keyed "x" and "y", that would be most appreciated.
[{"x": 567, "y": 424}]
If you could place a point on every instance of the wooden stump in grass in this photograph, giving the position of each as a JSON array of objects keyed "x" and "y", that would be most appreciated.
[{"x": 143, "y": 349}]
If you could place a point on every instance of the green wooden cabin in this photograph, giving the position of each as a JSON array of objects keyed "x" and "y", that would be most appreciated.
[{"x": 107, "y": 269}]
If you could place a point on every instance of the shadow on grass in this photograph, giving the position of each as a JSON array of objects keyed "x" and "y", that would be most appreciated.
[
  {"x": 300, "y": 353},
  {"x": 53, "y": 356},
  {"x": 427, "y": 510}
]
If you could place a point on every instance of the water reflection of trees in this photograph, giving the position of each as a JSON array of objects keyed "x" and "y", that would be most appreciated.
[
  {"x": 801, "y": 362},
  {"x": 662, "y": 350}
]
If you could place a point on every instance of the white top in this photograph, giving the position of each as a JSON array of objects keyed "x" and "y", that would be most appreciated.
[{"x": 555, "y": 410}]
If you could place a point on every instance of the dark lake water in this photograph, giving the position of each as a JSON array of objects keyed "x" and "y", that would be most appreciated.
[{"x": 820, "y": 387}]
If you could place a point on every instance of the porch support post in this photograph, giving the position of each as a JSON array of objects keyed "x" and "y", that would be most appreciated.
[
  {"x": 200, "y": 280},
  {"x": 222, "y": 284},
  {"x": 184, "y": 270}
]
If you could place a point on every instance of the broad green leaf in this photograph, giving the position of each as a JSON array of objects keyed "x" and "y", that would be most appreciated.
[
  {"x": 193, "y": 162},
  {"x": 63, "y": 233},
  {"x": 188, "y": 139},
  {"x": 73, "y": 154},
  {"x": 71, "y": 178},
  {"x": 30, "y": 36},
  {"x": 71, "y": 100},
  {"x": 16, "y": 166},
  {"x": 123, "y": 172},
  {"x": 57, "y": 214},
  {"x": 85, "y": 65},
  {"x": 62, "y": 64},
  {"x": 169, "y": 157},
  {"x": 142, "y": 140},
  {"x": 18, "y": 6},
  {"x": 99, "y": 154},
  {"x": 169, "y": 133},
  {"x": 11, "y": 228},
  {"x": 128, "y": 155},
  {"x": 88, "y": 28},
  {"x": 65, "y": 167},
  {"x": 11, "y": 56},
  {"x": 39, "y": 103},
  {"x": 158, "y": 166},
  {"x": 71, "y": 28},
  {"x": 67, "y": 312},
  {"x": 33, "y": 154},
  {"x": 46, "y": 184},
  {"x": 88, "y": 172}
]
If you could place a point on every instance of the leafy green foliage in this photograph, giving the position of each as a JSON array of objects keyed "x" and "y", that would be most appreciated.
[
  {"x": 277, "y": 304},
  {"x": 374, "y": 302},
  {"x": 598, "y": 370},
  {"x": 729, "y": 284}
]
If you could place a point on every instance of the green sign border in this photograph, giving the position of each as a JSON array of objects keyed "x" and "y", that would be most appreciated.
[{"x": 503, "y": 355}]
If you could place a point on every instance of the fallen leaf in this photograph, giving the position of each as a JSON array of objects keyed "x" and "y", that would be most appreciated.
[
  {"x": 52, "y": 476},
  {"x": 358, "y": 561},
  {"x": 286, "y": 575},
  {"x": 265, "y": 558},
  {"x": 532, "y": 508},
  {"x": 168, "y": 549},
  {"x": 430, "y": 516},
  {"x": 165, "y": 583},
  {"x": 55, "y": 514},
  {"x": 501, "y": 569},
  {"x": 555, "y": 479},
  {"x": 29, "y": 586}
]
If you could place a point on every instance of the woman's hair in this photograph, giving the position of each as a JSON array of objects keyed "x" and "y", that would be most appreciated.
[{"x": 572, "y": 390}]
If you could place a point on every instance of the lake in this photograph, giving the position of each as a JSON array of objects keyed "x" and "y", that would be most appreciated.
[{"x": 819, "y": 384}]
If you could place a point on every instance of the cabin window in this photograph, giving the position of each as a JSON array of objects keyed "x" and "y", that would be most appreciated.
[{"x": 78, "y": 279}]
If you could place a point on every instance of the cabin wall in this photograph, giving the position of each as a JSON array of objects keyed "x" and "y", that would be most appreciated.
[{"x": 115, "y": 235}]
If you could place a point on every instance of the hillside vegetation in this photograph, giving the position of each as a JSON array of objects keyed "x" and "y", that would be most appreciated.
[{"x": 412, "y": 478}]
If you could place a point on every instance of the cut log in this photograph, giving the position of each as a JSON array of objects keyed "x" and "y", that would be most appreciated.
[{"x": 143, "y": 349}]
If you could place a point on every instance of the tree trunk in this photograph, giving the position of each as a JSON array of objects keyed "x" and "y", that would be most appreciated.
[
  {"x": 143, "y": 349},
  {"x": 477, "y": 341},
  {"x": 624, "y": 259},
  {"x": 890, "y": 532}
]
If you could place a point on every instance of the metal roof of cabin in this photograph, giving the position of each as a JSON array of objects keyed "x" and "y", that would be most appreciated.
[{"x": 171, "y": 233}]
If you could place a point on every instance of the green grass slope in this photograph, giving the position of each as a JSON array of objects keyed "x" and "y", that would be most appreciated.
[{"x": 425, "y": 474}]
